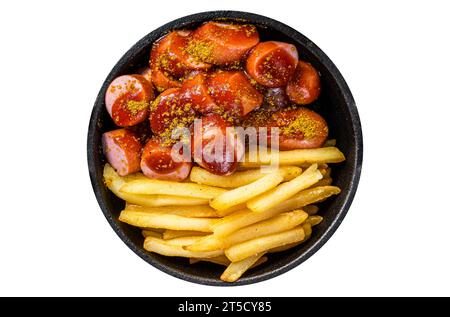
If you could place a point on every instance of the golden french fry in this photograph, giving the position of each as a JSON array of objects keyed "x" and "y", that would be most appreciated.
[
  {"x": 280, "y": 223},
  {"x": 231, "y": 210},
  {"x": 307, "y": 228},
  {"x": 245, "y": 249},
  {"x": 165, "y": 221},
  {"x": 221, "y": 260},
  {"x": 306, "y": 197},
  {"x": 114, "y": 182},
  {"x": 314, "y": 220},
  {"x": 163, "y": 247},
  {"x": 240, "y": 219},
  {"x": 163, "y": 200},
  {"x": 185, "y": 211},
  {"x": 295, "y": 157},
  {"x": 155, "y": 186},
  {"x": 323, "y": 182},
  {"x": 183, "y": 241},
  {"x": 311, "y": 209},
  {"x": 172, "y": 234},
  {"x": 260, "y": 261},
  {"x": 327, "y": 172},
  {"x": 238, "y": 179},
  {"x": 244, "y": 193},
  {"x": 285, "y": 191},
  {"x": 236, "y": 269},
  {"x": 330, "y": 142},
  {"x": 150, "y": 233}
]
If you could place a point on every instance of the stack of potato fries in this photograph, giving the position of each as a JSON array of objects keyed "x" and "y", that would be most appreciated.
[{"x": 236, "y": 220}]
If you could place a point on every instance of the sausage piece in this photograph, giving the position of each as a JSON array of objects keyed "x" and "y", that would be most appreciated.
[
  {"x": 127, "y": 100},
  {"x": 304, "y": 86},
  {"x": 215, "y": 146},
  {"x": 170, "y": 55},
  {"x": 299, "y": 128},
  {"x": 223, "y": 43},
  {"x": 159, "y": 162},
  {"x": 233, "y": 93},
  {"x": 122, "y": 150},
  {"x": 169, "y": 111},
  {"x": 195, "y": 91},
  {"x": 272, "y": 63}
]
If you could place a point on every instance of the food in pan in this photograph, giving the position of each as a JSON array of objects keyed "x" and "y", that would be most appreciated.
[{"x": 218, "y": 152}]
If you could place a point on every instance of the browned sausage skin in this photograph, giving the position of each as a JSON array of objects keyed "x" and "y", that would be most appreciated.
[
  {"x": 215, "y": 145},
  {"x": 127, "y": 100},
  {"x": 299, "y": 128},
  {"x": 272, "y": 63},
  {"x": 122, "y": 150},
  {"x": 159, "y": 162},
  {"x": 223, "y": 43},
  {"x": 304, "y": 86}
]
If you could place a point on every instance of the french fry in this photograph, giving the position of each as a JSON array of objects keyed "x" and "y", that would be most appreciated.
[
  {"x": 307, "y": 228},
  {"x": 323, "y": 182},
  {"x": 221, "y": 260},
  {"x": 295, "y": 157},
  {"x": 314, "y": 220},
  {"x": 172, "y": 234},
  {"x": 285, "y": 191},
  {"x": 165, "y": 221},
  {"x": 330, "y": 142},
  {"x": 150, "y": 233},
  {"x": 201, "y": 176},
  {"x": 240, "y": 219},
  {"x": 183, "y": 241},
  {"x": 156, "y": 186},
  {"x": 185, "y": 211},
  {"x": 306, "y": 197},
  {"x": 236, "y": 269},
  {"x": 280, "y": 223},
  {"x": 311, "y": 209},
  {"x": 162, "y": 247},
  {"x": 244, "y": 193},
  {"x": 232, "y": 209},
  {"x": 114, "y": 182},
  {"x": 246, "y": 249},
  {"x": 308, "y": 231}
]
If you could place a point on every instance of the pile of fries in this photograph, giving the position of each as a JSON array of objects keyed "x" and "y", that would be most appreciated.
[{"x": 236, "y": 220}]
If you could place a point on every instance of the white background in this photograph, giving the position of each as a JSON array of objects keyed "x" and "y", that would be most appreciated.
[{"x": 54, "y": 240}]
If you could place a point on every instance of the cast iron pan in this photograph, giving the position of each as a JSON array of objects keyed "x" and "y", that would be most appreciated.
[{"x": 336, "y": 104}]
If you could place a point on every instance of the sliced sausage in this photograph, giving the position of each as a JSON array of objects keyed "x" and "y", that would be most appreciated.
[
  {"x": 170, "y": 55},
  {"x": 233, "y": 93},
  {"x": 304, "y": 86},
  {"x": 169, "y": 111},
  {"x": 215, "y": 145},
  {"x": 272, "y": 63},
  {"x": 159, "y": 162},
  {"x": 223, "y": 43},
  {"x": 122, "y": 150},
  {"x": 195, "y": 90},
  {"x": 299, "y": 128},
  {"x": 162, "y": 80},
  {"x": 127, "y": 100}
]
